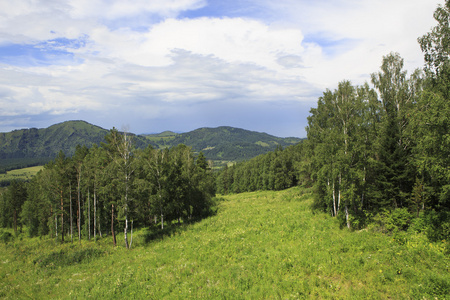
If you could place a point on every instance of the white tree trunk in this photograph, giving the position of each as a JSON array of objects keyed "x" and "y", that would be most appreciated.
[
  {"x": 346, "y": 217},
  {"x": 339, "y": 193},
  {"x": 71, "y": 216},
  {"x": 125, "y": 232},
  {"x": 334, "y": 200}
]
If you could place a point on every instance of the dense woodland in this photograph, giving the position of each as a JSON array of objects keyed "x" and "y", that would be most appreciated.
[
  {"x": 376, "y": 153},
  {"x": 101, "y": 190},
  {"x": 277, "y": 170}
]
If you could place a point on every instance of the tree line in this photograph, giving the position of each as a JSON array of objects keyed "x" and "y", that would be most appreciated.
[
  {"x": 111, "y": 187},
  {"x": 276, "y": 170}
]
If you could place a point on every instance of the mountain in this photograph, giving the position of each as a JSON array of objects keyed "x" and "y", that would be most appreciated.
[
  {"x": 47, "y": 142},
  {"x": 224, "y": 143},
  {"x": 36, "y": 146}
]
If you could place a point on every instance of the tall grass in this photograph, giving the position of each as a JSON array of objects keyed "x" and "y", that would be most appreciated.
[{"x": 260, "y": 245}]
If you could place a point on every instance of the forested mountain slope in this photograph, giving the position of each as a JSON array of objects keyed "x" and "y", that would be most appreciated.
[
  {"x": 47, "y": 142},
  {"x": 30, "y": 146},
  {"x": 226, "y": 143}
]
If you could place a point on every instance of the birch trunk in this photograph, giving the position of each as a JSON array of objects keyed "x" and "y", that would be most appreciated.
[
  {"x": 62, "y": 216},
  {"x": 70, "y": 209},
  {"x": 334, "y": 200},
  {"x": 125, "y": 233},
  {"x": 126, "y": 210},
  {"x": 339, "y": 194},
  {"x": 346, "y": 217}
]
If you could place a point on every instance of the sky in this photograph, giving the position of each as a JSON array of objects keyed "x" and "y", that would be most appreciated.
[{"x": 179, "y": 65}]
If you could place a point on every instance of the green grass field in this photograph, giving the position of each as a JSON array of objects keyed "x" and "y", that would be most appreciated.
[
  {"x": 261, "y": 245},
  {"x": 21, "y": 174}
]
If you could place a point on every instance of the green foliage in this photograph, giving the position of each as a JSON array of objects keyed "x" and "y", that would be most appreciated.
[
  {"x": 233, "y": 143},
  {"x": 438, "y": 225},
  {"x": 277, "y": 170},
  {"x": 109, "y": 189},
  {"x": 386, "y": 151},
  {"x": 6, "y": 236},
  {"x": 435, "y": 45},
  {"x": 393, "y": 221},
  {"x": 47, "y": 142}
]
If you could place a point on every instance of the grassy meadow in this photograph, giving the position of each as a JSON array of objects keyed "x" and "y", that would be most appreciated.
[
  {"x": 261, "y": 245},
  {"x": 20, "y": 174}
]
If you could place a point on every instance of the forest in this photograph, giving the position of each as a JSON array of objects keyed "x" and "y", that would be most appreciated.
[
  {"x": 100, "y": 190},
  {"x": 378, "y": 153}
]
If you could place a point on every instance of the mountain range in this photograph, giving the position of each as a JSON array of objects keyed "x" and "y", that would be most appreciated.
[{"x": 218, "y": 144}]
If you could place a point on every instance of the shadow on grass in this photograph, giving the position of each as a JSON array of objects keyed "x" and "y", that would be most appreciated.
[
  {"x": 155, "y": 232},
  {"x": 64, "y": 258}
]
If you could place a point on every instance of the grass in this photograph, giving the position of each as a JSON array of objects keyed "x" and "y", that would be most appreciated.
[
  {"x": 21, "y": 174},
  {"x": 261, "y": 245}
]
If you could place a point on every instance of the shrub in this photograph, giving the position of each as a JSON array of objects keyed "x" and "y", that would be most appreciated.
[
  {"x": 390, "y": 222},
  {"x": 6, "y": 236},
  {"x": 438, "y": 228}
]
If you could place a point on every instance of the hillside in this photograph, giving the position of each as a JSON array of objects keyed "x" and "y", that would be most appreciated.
[
  {"x": 35, "y": 146},
  {"x": 225, "y": 143},
  {"x": 47, "y": 142},
  {"x": 260, "y": 245}
]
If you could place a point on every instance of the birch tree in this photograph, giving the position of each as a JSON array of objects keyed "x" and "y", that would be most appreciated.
[
  {"x": 78, "y": 165},
  {"x": 120, "y": 148}
]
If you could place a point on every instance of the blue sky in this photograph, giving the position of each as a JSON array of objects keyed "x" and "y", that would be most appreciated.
[{"x": 179, "y": 65}]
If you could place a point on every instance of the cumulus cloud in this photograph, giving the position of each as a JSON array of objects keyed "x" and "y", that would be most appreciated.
[{"x": 354, "y": 34}]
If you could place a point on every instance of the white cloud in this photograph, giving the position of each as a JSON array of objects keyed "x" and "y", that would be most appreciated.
[
  {"x": 145, "y": 60},
  {"x": 116, "y": 9},
  {"x": 357, "y": 33},
  {"x": 25, "y": 21}
]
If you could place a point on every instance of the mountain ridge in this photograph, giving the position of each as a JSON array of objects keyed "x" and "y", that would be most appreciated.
[{"x": 223, "y": 143}]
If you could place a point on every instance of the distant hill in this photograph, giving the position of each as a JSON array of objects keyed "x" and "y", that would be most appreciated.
[
  {"x": 47, "y": 142},
  {"x": 226, "y": 143},
  {"x": 28, "y": 147},
  {"x": 33, "y": 146}
]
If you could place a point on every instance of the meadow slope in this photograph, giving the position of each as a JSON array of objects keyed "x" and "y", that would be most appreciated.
[{"x": 261, "y": 245}]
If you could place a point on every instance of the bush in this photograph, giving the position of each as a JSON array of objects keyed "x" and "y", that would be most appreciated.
[
  {"x": 438, "y": 228},
  {"x": 390, "y": 222},
  {"x": 418, "y": 224},
  {"x": 6, "y": 237}
]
